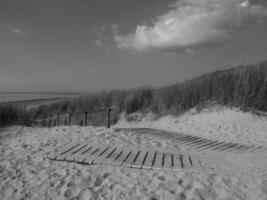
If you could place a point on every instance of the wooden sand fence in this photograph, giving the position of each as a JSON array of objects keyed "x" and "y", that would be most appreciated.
[{"x": 68, "y": 119}]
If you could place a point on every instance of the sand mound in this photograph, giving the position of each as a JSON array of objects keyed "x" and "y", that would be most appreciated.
[
  {"x": 26, "y": 173},
  {"x": 226, "y": 124}
]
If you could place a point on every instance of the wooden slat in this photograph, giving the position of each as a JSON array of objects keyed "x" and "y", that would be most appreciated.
[
  {"x": 182, "y": 160},
  {"x": 201, "y": 146},
  {"x": 80, "y": 158},
  {"x": 186, "y": 160},
  {"x": 107, "y": 155},
  {"x": 100, "y": 155},
  {"x": 137, "y": 163},
  {"x": 222, "y": 146},
  {"x": 229, "y": 147},
  {"x": 177, "y": 164},
  {"x": 213, "y": 145},
  {"x": 181, "y": 138},
  {"x": 195, "y": 141},
  {"x": 114, "y": 158},
  {"x": 127, "y": 154},
  {"x": 157, "y": 164},
  {"x": 89, "y": 158},
  {"x": 132, "y": 156},
  {"x": 148, "y": 162},
  {"x": 67, "y": 153},
  {"x": 196, "y": 161},
  {"x": 76, "y": 153},
  {"x": 65, "y": 150},
  {"x": 168, "y": 163}
]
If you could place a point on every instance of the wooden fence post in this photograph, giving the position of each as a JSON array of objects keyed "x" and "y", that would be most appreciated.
[
  {"x": 68, "y": 117},
  {"x": 109, "y": 111},
  {"x": 66, "y": 120},
  {"x": 58, "y": 122},
  {"x": 43, "y": 123},
  {"x": 85, "y": 118},
  {"x": 49, "y": 122}
]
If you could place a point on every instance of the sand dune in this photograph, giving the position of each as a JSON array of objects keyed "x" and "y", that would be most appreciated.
[
  {"x": 216, "y": 123},
  {"x": 26, "y": 173}
]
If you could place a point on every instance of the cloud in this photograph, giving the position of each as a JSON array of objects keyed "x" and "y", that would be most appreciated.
[
  {"x": 98, "y": 43},
  {"x": 192, "y": 24},
  {"x": 104, "y": 35},
  {"x": 19, "y": 33}
]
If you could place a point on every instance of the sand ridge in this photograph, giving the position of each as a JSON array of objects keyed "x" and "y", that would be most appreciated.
[{"x": 25, "y": 171}]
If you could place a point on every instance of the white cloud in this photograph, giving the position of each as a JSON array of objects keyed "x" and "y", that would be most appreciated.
[
  {"x": 104, "y": 35},
  {"x": 98, "y": 43},
  {"x": 18, "y": 32},
  {"x": 192, "y": 24}
]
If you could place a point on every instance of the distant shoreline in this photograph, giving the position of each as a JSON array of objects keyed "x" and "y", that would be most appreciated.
[
  {"x": 33, "y": 100},
  {"x": 58, "y": 93},
  {"x": 33, "y": 103}
]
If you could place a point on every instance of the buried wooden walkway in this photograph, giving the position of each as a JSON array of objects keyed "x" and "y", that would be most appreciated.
[
  {"x": 218, "y": 161},
  {"x": 195, "y": 143},
  {"x": 154, "y": 158},
  {"x": 117, "y": 155}
]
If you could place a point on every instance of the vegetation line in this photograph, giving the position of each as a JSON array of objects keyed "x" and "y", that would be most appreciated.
[{"x": 244, "y": 87}]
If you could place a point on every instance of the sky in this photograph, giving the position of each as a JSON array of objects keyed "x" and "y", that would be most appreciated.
[{"x": 91, "y": 45}]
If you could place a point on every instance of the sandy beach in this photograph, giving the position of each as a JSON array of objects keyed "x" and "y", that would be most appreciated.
[{"x": 26, "y": 173}]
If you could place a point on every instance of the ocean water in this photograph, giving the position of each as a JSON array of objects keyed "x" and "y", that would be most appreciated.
[{"x": 18, "y": 97}]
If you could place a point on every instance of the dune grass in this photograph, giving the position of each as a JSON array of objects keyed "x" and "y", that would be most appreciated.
[
  {"x": 244, "y": 87},
  {"x": 11, "y": 114}
]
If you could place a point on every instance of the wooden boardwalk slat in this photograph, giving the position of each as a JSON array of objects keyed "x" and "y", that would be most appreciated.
[
  {"x": 89, "y": 158},
  {"x": 206, "y": 144},
  {"x": 76, "y": 153},
  {"x": 187, "y": 141},
  {"x": 65, "y": 150},
  {"x": 187, "y": 160},
  {"x": 82, "y": 156},
  {"x": 137, "y": 163},
  {"x": 102, "y": 154},
  {"x": 181, "y": 138},
  {"x": 134, "y": 153},
  {"x": 105, "y": 150},
  {"x": 157, "y": 162},
  {"x": 168, "y": 160},
  {"x": 108, "y": 154},
  {"x": 126, "y": 152},
  {"x": 222, "y": 146},
  {"x": 148, "y": 162},
  {"x": 195, "y": 141},
  {"x": 69, "y": 152},
  {"x": 115, "y": 158},
  {"x": 213, "y": 145},
  {"x": 177, "y": 164},
  {"x": 229, "y": 147}
]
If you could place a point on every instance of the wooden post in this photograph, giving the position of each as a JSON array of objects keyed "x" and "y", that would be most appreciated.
[
  {"x": 58, "y": 122},
  {"x": 109, "y": 111},
  {"x": 68, "y": 117},
  {"x": 85, "y": 118},
  {"x": 43, "y": 123},
  {"x": 49, "y": 122},
  {"x": 66, "y": 120}
]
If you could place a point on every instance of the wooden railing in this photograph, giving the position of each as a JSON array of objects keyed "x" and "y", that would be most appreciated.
[{"x": 66, "y": 118}]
